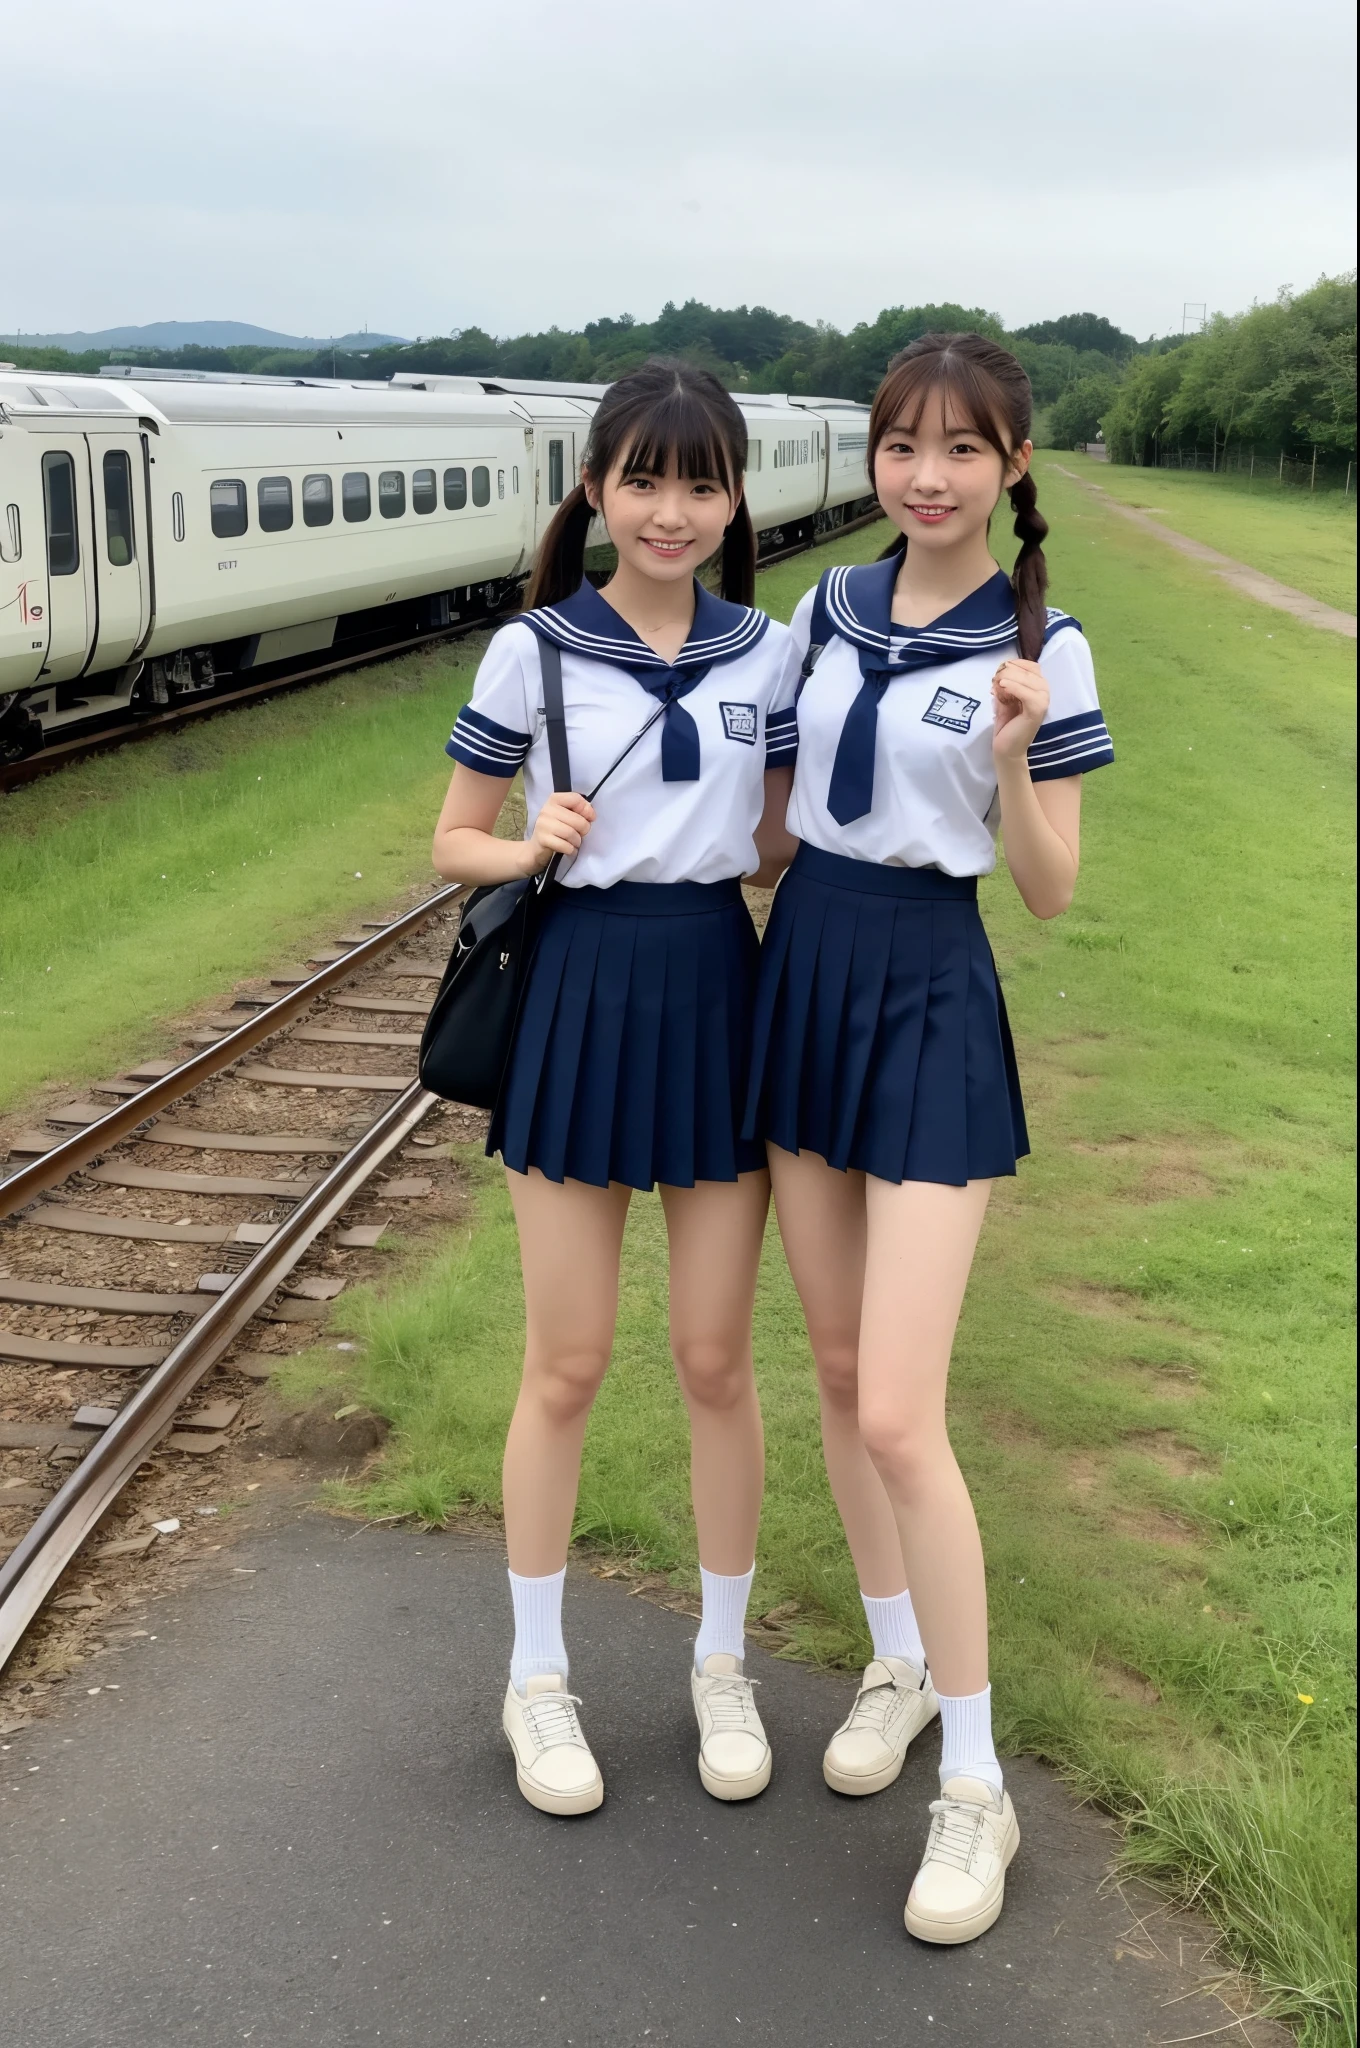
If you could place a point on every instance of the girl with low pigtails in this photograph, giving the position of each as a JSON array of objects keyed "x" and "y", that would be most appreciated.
[
  {"x": 629, "y": 1058},
  {"x": 939, "y": 702}
]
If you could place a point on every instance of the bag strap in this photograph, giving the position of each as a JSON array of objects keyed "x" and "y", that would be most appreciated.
[
  {"x": 821, "y": 633},
  {"x": 554, "y": 714}
]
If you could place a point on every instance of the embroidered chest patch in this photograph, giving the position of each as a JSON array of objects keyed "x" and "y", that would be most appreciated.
[
  {"x": 952, "y": 711},
  {"x": 739, "y": 722}
]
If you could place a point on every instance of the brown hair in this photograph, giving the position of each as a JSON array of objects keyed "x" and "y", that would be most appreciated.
[
  {"x": 663, "y": 409},
  {"x": 989, "y": 387}
]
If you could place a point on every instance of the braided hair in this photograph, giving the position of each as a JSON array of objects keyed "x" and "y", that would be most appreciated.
[{"x": 991, "y": 389}]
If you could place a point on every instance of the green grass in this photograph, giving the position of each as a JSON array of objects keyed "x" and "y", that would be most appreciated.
[
  {"x": 1300, "y": 538},
  {"x": 140, "y": 883},
  {"x": 1152, "y": 1394}
]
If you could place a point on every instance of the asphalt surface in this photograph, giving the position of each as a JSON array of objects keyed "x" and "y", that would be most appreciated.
[{"x": 291, "y": 1818}]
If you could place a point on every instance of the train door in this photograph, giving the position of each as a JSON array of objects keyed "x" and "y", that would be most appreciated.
[
  {"x": 68, "y": 519},
  {"x": 121, "y": 547},
  {"x": 554, "y": 472}
]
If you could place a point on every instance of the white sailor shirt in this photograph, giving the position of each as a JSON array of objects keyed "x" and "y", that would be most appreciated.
[
  {"x": 650, "y": 826},
  {"x": 935, "y": 801}
]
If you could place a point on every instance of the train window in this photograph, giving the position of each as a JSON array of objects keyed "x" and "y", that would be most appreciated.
[
  {"x": 500, "y": 483},
  {"x": 177, "y": 514},
  {"x": 424, "y": 496},
  {"x": 392, "y": 493},
  {"x": 59, "y": 497},
  {"x": 318, "y": 501},
  {"x": 11, "y": 542},
  {"x": 276, "y": 503},
  {"x": 118, "y": 507},
  {"x": 455, "y": 489},
  {"x": 481, "y": 485},
  {"x": 752, "y": 456},
  {"x": 554, "y": 472},
  {"x": 355, "y": 500},
  {"x": 227, "y": 504}
]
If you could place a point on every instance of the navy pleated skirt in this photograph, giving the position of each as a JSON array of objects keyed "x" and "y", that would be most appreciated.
[
  {"x": 880, "y": 1039},
  {"x": 632, "y": 1046}
]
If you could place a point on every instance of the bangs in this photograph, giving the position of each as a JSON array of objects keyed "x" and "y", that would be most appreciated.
[
  {"x": 685, "y": 430},
  {"x": 956, "y": 385},
  {"x": 979, "y": 381}
]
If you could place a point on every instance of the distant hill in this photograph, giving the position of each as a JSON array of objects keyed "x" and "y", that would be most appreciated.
[{"x": 170, "y": 334}]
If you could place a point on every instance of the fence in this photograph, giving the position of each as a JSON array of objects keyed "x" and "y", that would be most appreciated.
[{"x": 1308, "y": 473}]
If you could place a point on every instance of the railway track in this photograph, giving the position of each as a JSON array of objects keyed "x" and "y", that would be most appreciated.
[
  {"x": 64, "y": 753},
  {"x": 263, "y": 1142}
]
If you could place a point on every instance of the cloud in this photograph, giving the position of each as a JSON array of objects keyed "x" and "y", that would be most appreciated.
[{"x": 423, "y": 166}]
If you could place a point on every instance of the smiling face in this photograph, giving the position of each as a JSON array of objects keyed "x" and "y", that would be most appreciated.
[
  {"x": 939, "y": 479},
  {"x": 663, "y": 526}
]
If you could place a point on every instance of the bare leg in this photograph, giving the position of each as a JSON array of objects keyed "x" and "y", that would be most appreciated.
[
  {"x": 822, "y": 1220},
  {"x": 570, "y": 1236},
  {"x": 716, "y": 1230},
  {"x": 921, "y": 1239}
]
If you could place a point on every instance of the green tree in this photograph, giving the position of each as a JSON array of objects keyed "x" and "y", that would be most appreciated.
[{"x": 1075, "y": 417}]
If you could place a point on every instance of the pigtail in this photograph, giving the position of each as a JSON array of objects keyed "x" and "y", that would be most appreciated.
[
  {"x": 561, "y": 564},
  {"x": 738, "y": 578},
  {"x": 1029, "y": 578}
]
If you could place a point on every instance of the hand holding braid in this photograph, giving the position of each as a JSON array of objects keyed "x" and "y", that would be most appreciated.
[{"x": 1029, "y": 578}]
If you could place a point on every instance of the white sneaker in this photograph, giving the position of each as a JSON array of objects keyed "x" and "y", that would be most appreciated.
[
  {"x": 553, "y": 1764},
  {"x": 894, "y": 1703},
  {"x": 734, "y": 1756},
  {"x": 961, "y": 1885}
]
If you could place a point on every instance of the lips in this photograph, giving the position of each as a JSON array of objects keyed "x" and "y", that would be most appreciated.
[
  {"x": 931, "y": 515},
  {"x": 668, "y": 549}
]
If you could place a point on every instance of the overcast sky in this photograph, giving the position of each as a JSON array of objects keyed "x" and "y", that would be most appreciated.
[{"x": 423, "y": 165}]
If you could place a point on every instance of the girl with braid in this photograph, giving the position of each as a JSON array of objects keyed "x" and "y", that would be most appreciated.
[{"x": 941, "y": 702}]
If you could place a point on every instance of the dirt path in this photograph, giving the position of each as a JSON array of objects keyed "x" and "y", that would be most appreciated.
[{"x": 1249, "y": 581}]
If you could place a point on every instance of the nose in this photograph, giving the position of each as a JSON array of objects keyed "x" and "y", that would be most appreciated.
[
  {"x": 927, "y": 477},
  {"x": 670, "y": 510}
]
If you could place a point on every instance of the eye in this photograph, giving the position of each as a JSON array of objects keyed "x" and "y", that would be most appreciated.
[
  {"x": 898, "y": 445},
  {"x": 964, "y": 448},
  {"x": 639, "y": 483}
]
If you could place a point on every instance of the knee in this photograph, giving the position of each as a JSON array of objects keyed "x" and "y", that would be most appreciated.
[
  {"x": 902, "y": 1450},
  {"x": 565, "y": 1383},
  {"x": 838, "y": 1373},
  {"x": 713, "y": 1374}
]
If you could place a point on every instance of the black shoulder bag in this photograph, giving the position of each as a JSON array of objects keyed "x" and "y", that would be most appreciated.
[{"x": 468, "y": 1034}]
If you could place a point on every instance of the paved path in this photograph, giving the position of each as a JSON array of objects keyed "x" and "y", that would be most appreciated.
[
  {"x": 1251, "y": 582},
  {"x": 294, "y": 1822}
]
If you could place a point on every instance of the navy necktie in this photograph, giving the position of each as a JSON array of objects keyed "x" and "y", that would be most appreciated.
[
  {"x": 679, "y": 733},
  {"x": 851, "y": 791}
]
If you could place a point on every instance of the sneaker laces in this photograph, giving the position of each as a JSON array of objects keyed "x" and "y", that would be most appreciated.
[
  {"x": 955, "y": 1831},
  {"x": 874, "y": 1704},
  {"x": 730, "y": 1704},
  {"x": 550, "y": 1718}
]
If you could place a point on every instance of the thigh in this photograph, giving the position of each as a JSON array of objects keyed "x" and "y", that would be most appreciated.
[
  {"x": 920, "y": 1242},
  {"x": 570, "y": 1235},
  {"x": 715, "y": 1231},
  {"x": 822, "y": 1219}
]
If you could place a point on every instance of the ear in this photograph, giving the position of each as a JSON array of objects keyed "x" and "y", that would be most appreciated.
[
  {"x": 591, "y": 489},
  {"x": 737, "y": 497},
  {"x": 1018, "y": 465}
]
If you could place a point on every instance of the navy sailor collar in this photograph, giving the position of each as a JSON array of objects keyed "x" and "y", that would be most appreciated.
[
  {"x": 859, "y": 609},
  {"x": 587, "y": 624}
]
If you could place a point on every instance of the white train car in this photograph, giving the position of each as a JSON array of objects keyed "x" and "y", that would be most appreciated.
[{"x": 163, "y": 534}]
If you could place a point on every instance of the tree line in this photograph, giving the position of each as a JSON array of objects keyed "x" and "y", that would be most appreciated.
[
  {"x": 749, "y": 347},
  {"x": 1281, "y": 376}
]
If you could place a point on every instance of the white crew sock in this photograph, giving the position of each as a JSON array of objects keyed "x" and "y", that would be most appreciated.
[
  {"x": 892, "y": 1624},
  {"x": 966, "y": 1750},
  {"x": 724, "y": 1624},
  {"x": 539, "y": 1648}
]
